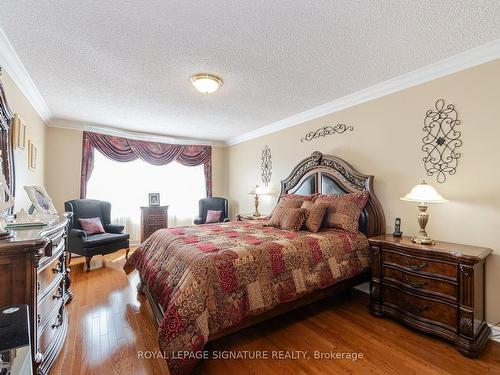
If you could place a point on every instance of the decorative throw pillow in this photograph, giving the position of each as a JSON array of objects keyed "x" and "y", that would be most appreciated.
[
  {"x": 344, "y": 210},
  {"x": 92, "y": 225},
  {"x": 293, "y": 201},
  {"x": 302, "y": 197},
  {"x": 213, "y": 216},
  {"x": 315, "y": 214},
  {"x": 288, "y": 218}
]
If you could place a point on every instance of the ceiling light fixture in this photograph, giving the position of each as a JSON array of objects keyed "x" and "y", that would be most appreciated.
[{"x": 206, "y": 83}]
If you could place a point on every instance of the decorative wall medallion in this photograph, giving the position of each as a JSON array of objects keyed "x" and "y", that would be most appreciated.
[
  {"x": 266, "y": 165},
  {"x": 327, "y": 130},
  {"x": 441, "y": 141}
]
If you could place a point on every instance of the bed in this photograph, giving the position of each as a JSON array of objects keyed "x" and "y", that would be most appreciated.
[{"x": 205, "y": 282}]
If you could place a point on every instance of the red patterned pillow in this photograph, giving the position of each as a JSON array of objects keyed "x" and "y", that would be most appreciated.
[
  {"x": 315, "y": 214},
  {"x": 288, "y": 218},
  {"x": 293, "y": 201},
  {"x": 92, "y": 225},
  {"x": 344, "y": 210},
  {"x": 213, "y": 216}
]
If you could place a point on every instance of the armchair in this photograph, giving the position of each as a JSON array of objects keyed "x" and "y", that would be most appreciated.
[
  {"x": 214, "y": 204},
  {"x": 79, "y": 242}
]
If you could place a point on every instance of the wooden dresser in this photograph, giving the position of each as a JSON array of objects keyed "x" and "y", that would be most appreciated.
[
  {"x": 438, "y": 289},
  {"x": 152, "y": 219},
  {"x": 33, "y": 271}
]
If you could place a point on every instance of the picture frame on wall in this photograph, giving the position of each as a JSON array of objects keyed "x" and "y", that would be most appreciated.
[
  {"x": 32, "y": 155},
  {"x": 19, "y": 132},
  {"x": 154, "y": 199}
]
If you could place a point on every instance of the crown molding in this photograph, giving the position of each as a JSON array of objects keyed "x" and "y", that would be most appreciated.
[
  {"x": 10, "y": 62},
  {"x": 464, "y": 60},
  {"x": 118, "y": 132}
]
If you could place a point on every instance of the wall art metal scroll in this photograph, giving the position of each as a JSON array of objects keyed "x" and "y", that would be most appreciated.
[
  {"x": 266, "y": 165},
  {"x": 327, "y": 130},
  {"x": 441, "y": 141}
]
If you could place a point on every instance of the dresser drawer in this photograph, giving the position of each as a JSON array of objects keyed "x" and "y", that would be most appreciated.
[
  {"x": 421, "y": 283},
  {"x": 48, "y": 274},
  {"x": 420, "y": 265},
  {"x": 51, "y": 301},
  {"x": 433, "y": 311},
  {"x": 156, "y": 218},
  {"x": 49, "y": 332}
]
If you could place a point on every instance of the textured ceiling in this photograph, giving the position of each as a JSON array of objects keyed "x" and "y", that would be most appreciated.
[{"x": 127, "y": 63}]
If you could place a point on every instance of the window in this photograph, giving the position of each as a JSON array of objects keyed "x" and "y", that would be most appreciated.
[{"x": 126, "y": 187}]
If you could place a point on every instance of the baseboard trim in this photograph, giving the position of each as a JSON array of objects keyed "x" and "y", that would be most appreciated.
[
  {"x": 495, "y": 333},
  {"x": 365, "y": 287}
]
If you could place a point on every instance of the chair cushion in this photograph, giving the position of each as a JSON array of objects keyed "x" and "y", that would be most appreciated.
[
  {"x": 104, "y": 239},
  {"x": 91, "y": 225},
  {"x": 213, "y": 216}
]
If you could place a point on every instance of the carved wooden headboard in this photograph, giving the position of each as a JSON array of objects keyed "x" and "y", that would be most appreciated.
[
  {"x": 327, "y": 174},
  {"x": 6, "y": 147}
]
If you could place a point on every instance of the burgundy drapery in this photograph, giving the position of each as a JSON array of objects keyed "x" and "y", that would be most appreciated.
[{"x": 123, "y": 150}]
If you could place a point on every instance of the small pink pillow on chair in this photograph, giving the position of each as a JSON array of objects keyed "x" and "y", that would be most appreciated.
[
  {"x": 213, "y": 216},
  {"x": 92, "y": 226}
]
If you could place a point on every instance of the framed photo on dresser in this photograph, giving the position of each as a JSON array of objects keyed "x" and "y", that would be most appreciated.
[{"x": 154, "y": 199}]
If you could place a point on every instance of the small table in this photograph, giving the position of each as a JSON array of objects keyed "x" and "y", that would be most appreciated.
[
  {"x": 247, "y": 216},
  {"x": 437, "y": 289}
]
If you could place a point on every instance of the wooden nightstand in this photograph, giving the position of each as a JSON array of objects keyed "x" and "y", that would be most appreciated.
[
  {"x": 152, "y": 219},
  {"x": 438, "y": 289},
  {"x": 241, "y": 217}
]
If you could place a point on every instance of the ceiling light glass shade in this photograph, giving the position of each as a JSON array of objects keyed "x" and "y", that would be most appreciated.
[
  {"x": 423, "y": 193},
  {"x": 206, "y": 83}
]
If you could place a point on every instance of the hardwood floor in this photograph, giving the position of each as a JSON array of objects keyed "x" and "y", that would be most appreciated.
[{"x": 109, "y": 324}]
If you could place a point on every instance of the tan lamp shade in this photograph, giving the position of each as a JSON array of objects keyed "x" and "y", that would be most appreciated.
[{"x": 423, "y": 193}]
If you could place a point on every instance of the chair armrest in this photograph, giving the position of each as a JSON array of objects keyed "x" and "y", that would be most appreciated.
[
  {"x": 77, "y": 233},
  {"x": 113, "y": 228},
  {"x": 199, "y": 221}
]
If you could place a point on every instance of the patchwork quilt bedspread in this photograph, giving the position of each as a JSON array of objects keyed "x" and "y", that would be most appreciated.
[{"x": 210, "y": 277}]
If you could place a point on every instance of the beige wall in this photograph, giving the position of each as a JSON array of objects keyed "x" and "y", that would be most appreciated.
[
  {"x": 64, "y": 159},
  {"x": 36, "y": 132},
  {"x": 386, "y": 142}
]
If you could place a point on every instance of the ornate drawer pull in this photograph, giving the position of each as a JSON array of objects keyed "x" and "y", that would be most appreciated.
[
  {"x": 58, "y": 322},
  {"x": 57, "y": 268},
  {"x": 59, "y": 294},
  {"x": 414, "y": 284},
  {"x": 412, "y": 308},
  {"x": 415, "y": 267}
]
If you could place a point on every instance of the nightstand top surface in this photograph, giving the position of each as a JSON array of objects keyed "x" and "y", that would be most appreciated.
[{"x": 455, "y": 249}]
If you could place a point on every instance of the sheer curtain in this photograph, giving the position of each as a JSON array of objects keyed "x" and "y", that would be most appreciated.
[{"x": 126, "y": 186}]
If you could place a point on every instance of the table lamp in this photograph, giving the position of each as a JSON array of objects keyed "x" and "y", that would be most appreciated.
[
  {"x": 257, "y": 190},
  {"x": 423, "y": 193}
]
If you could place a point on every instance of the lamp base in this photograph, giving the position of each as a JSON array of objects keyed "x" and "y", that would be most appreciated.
[{"x": 423, "y": 240}]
